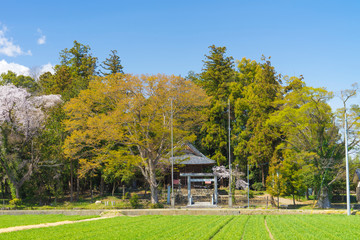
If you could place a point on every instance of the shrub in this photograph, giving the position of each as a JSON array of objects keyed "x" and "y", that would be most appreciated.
[
  {"x": 156, "y": 205},
  {"x": 127, "y": 195},
  {"x": 258, "y": 186},
  {"x": 251, "y": 194},
  {"x": 15, "y": 201},
  {"x": 134, "y": 201}
]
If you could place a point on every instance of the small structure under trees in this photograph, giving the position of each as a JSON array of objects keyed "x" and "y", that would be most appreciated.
[
  {"x": 190, "y": 160},
  {"x": 193, "y": 169}
]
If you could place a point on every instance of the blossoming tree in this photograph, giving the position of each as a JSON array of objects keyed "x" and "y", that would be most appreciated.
[{"x": 22, "y": 118}]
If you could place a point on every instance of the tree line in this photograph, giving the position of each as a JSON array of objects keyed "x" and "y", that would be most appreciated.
[{"x": 111, "y": 126}]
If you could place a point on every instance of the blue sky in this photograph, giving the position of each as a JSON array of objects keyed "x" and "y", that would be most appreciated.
[{"x": 318, "y": 39}]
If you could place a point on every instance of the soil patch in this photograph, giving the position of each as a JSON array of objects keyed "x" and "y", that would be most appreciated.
[{"x": 19, "y": 228}]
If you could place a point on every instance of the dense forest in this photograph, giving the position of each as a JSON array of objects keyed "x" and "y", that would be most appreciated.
[{"x": 94, "y": 127}]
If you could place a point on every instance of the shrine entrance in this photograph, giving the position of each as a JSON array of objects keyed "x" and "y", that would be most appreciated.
[{"x": 201, "y": 177}]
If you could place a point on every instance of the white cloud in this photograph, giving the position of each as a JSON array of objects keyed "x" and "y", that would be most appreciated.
[
  {"x": 23, "y": 70},
  {"x": 14, "y": 67},
  {"x": 7, "y": 47},
  {"x": 47, "y": 68},
  {"x": 42, "y": 39}
]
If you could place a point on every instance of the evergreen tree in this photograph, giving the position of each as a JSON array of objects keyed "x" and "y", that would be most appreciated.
[
  {"x": 112, "y": 64},
  {"x": 256, "y": 141},
  {"x": 77, "y": 67},
  {"x": 215, "y": 79}
]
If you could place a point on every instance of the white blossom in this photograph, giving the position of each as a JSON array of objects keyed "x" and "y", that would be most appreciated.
[
  {"x": 223, "y": 172},
  {"x": 23, "y": 112}
]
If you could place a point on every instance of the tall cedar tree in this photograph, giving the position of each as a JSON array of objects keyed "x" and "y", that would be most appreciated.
[
  {"x": 215, "y": 79},
  {"x": 256, "y": 141},
  {"x": 77, "y": 66},
  {"x": 112, "y": 64}
]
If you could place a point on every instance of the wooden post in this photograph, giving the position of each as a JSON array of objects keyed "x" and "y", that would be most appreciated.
[
  {"x": 123, "y": 192},
  {"x": 267, "y": 199}
]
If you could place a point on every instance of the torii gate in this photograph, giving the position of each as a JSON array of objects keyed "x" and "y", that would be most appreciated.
[{"x": 190, "y": 180}]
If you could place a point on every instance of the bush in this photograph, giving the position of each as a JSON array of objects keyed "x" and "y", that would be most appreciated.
[
  {"x": 127, "y": 195},
  {"x": 156, "y": 205},
  {"x": 251, "y": 194},
  {"x": 134, "y": 201},
  {"x": 258, "y": 186},
  {"x": 15, "y": 201}
]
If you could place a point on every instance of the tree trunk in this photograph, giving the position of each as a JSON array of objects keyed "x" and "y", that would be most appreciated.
[
  {"x": 113, "y": 189},
  {"x": 272, "y": 201},
  {"x": 294, "y": 199},
  {"x": 153, "y": 187},
  {"x": 102, "y": 185},
  {"x": 323, "y": 200},
  {"x": 91, "y": 190},
  {"x": 77, "y": 187},
  {"x": 71, "y": 182},
  {"x": 154, "y": 194},
  {"x": 17, "y": 190},
  {"x": 3, "y": 190},
  {"x": 263, "y": 175}
]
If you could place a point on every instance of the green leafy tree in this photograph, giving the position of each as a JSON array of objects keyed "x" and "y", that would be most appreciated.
[
  {"x": 307, "y": 126},
  {"x": 118, "y": 168},
  {"x": 19, "y": 81},
  {"x": 286, "y": 177},
  {"x": 246, "y": 71},
  {"x": 112, "y": 64},
  {"x": 128, "y": 111},
  {"x": 256, "y": 141}
]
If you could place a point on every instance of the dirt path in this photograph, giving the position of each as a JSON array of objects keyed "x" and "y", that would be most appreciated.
[
  {"x": 19, "y": 228},
  {"x": 267, "y": 228},
  {"x": 285, "y": 201}
]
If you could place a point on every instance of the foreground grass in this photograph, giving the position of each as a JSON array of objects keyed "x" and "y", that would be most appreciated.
[
  {"x": 20, "y": 220},
  {"x": 314, "y": 226},
  {"x": 203, "y": 227}
]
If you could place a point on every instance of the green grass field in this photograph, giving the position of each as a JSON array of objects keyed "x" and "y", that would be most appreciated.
[
  {"x": 203, "y": 227},
  {"x": 20, "y": 220}
]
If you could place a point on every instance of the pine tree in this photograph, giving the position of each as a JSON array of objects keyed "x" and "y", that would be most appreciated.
[{"x": 112, "y": 64}]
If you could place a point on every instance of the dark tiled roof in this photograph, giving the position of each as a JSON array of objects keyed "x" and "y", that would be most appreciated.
[{"x": 191, "y": 156}]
